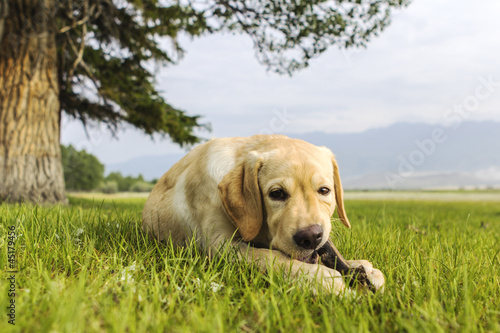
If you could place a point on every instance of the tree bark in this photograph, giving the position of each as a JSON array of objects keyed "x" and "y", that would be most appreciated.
[{"x": 30, "y": 155}]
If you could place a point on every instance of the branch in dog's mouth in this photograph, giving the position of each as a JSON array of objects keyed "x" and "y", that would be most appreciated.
[{"x": 331, "y": 257}]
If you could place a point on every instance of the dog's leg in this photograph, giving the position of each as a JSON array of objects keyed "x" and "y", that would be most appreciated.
[
  {"x": 328, "y": 279},
  {"x": 360, "y": 271}
]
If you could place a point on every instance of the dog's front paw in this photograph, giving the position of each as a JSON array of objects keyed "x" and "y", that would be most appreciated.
[
  {"x": 330, "y": 279},
  {"x": 365, "y": 271},
  {"x": 322, "y": 279}
]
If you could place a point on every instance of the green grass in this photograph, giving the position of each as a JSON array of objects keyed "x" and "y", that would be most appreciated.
[{"x": 88, "y": 267}]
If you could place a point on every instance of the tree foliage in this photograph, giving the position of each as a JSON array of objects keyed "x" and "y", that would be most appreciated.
[
  {"x": 129, "y": 183},
  {"x": 106, "y": 48},
  {"x": 124, "y": 183},
  {"x": 82, "y": 171}
]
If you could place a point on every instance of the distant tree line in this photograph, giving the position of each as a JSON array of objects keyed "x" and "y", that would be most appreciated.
[{"x": 84, "y": 172}]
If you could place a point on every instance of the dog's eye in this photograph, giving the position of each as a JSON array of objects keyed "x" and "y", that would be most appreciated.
[
  {"x": 277, "y": 195},
  {"x": 324, "y": 191}
]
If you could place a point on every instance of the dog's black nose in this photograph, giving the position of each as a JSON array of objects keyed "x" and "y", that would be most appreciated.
[{"x": 310, "y": 237}]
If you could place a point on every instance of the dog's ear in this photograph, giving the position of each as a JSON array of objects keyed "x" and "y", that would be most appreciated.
[
  {"x": 240, "y": 194},
  {"x": 339, "y": 194}
]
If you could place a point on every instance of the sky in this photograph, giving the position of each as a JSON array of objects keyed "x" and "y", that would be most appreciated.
[{"x": 435, "y": 59}]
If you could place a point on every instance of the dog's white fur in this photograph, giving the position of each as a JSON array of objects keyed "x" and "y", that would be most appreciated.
[{"x": 220, "y": 191}]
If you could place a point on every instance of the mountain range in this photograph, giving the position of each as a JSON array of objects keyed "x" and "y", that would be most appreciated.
[{"x": 400, "y": 156}]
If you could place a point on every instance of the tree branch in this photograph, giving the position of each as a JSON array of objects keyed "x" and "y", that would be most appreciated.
[
  {"x": 80, "y": 62},
  {"x": 89, "y": 15},
  {"x": 4, "y": 11},
  {"x": 79, "y": 56}
]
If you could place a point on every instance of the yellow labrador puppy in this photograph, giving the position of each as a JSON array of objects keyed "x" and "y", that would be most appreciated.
[{"x": 270, "y": 195}]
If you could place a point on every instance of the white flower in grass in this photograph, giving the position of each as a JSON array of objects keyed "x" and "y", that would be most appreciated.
[
  {"x": 216, "y": 287},
  {"x": 127, "y": 273},
  {"x": 56, "y": 287},
  {"x": 78, "y": 232}
]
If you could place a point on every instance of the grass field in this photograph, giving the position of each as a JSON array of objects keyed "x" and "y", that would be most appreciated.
[{"x": 88, "y": 267}]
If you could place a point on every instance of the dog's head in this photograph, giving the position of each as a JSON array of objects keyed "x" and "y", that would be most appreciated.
[{"x": 287, "y": 189}]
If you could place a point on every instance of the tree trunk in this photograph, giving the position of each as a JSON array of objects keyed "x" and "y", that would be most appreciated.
[{"x": 30, "y": 155}]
